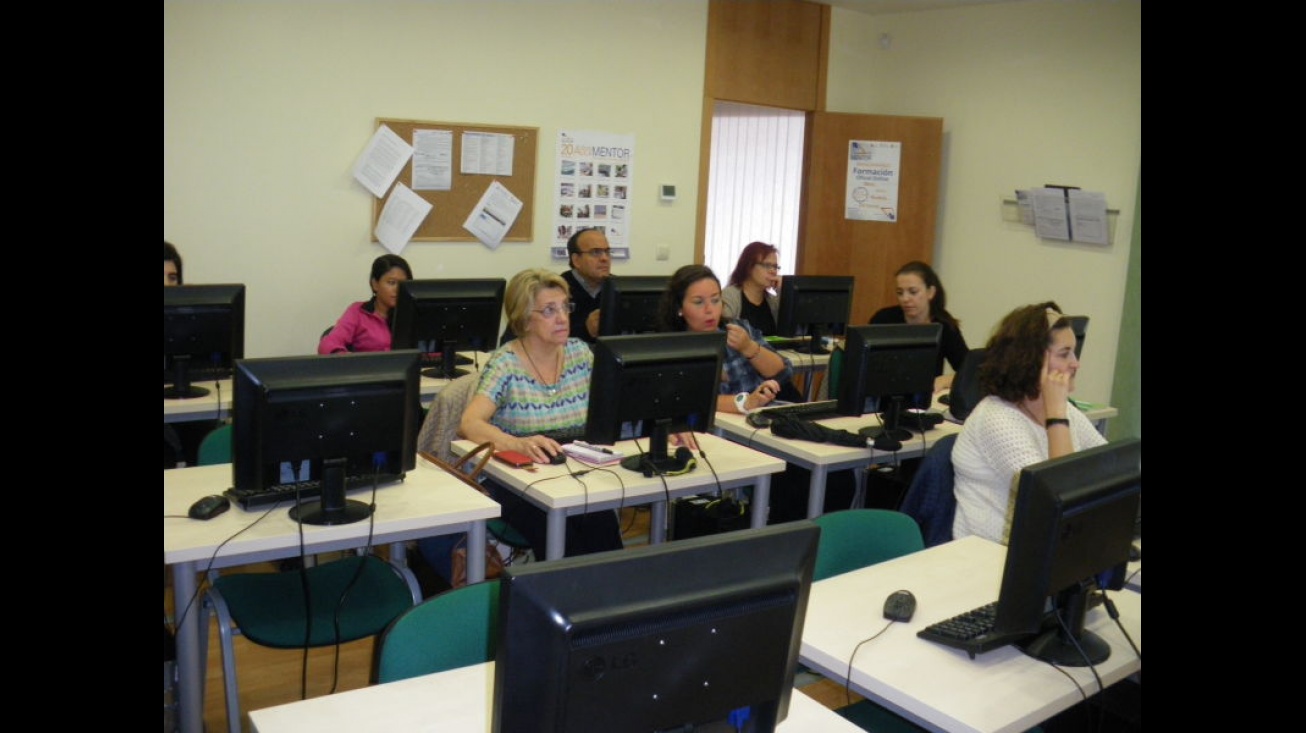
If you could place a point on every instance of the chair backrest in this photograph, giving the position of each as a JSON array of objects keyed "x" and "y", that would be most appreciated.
[
  {"x": 453, "y": 629},
  {"x": 855, "y": 538},
  {"x": 216, "y": 446},
  {"x": 965, "y": 391},
  {"x": 440, "y": 427},
  {"x": 929, "y": 499}
]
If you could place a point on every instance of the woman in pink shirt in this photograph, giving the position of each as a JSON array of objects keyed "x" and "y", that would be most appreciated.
[{"x": 365, "y": 325}]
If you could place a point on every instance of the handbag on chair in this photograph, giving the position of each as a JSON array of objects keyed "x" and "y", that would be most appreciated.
[{"x": 493, "y": 560}]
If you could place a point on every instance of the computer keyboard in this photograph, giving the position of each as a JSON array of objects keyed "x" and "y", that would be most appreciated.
[
  {"x": 566, "y": 435},
  {"x": 305, "y": 490},
  {"x": 972, "y": 631},
  {"x": 802, "y": 410}
]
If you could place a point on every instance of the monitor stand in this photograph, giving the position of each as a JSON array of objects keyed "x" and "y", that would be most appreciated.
[
  {"x": 333, "y": 507},
  {"x": 813, "y": 345},
  {"x": 181, "y": 388},
  {"x": 1068, "y": 645},
  {"x": 447, "y": 368},
  {"x": 890, "y": 435},
  {"x": 656, "y": 462}
]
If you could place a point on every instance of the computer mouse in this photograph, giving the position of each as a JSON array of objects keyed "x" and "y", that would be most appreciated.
[
  {"x": 209, "y": 507},
  {"x": 900, "y": 605},
  {"x": 1135, "y": 553},
  {"x": 557, "y": 459}
]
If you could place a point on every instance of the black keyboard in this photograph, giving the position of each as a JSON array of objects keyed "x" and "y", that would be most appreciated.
[
  {"x": 566, "y": 435},
  {"x": 305, "y": 490},
  {"x": 801, "y": 410},
  {"x": 972, "y": 631}
]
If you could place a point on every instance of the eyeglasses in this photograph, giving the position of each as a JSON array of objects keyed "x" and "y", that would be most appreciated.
[
  {"x": 596, "y": 253},
  {"x": 553, "y": 309},
  {"x": 769, "y": 267}
]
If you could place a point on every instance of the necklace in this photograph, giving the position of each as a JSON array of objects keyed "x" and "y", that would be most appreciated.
[
  {"x": 553, "y": 388},
  {"x": 1027, "y": 411}
]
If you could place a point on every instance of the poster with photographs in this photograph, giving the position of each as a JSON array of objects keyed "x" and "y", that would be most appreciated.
[{"x": 593, "y": 188}]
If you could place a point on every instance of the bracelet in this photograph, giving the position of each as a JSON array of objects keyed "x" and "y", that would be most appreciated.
[
  {"x": 756, "y": 352},
  {"x": 1056, "y": 421},
  {"x": 741, "y": 399}
]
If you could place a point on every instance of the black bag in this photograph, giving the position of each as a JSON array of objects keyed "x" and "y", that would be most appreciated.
[{"x": 706, "y": 514}]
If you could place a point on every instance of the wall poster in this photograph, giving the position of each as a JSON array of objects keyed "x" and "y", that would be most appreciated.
[{"x": 593, "y": 188}]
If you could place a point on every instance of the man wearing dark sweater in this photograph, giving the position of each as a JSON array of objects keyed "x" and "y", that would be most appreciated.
[{"x": 591, "y": 264}]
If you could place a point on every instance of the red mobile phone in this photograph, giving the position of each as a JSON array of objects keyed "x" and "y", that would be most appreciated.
[{"x": 513, "y": 458}]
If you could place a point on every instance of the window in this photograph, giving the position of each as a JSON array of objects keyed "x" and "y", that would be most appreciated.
[{"x": 754, "y": 183}]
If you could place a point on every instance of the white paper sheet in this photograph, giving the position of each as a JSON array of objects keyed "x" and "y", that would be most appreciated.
[
  {"x": 384, "y": 157},
  {"x": 494, "y": 215},
  {"x": 404, "y": 211}
]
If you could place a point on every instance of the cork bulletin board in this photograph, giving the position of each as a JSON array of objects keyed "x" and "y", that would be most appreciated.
[{"x": 450, "y": 208}]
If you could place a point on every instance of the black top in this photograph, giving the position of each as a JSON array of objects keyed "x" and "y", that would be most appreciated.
[
  {"x": 952, "y": 345},
  {"x": 585, "y": 305},
  {"x": 759, "y": 316}
]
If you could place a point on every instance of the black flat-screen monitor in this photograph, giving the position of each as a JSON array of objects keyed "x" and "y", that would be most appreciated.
[
  {"x": 656, "y": 638},
  {"x": 203, "y": 334},
  {"x": 441, "y": 317},
  {"x": 813, "y": 305},
  {"x": 629, "y": 304},
  {"x": 894, "y": 364},
  {"x": 1073, "y": 523},
  {"x": 667, "y": 381},
  {"x": 351, "y": 416},
  {"x": 1079, "y": 326}
]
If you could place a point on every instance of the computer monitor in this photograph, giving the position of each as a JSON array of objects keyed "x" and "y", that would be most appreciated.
[
  {"x": 669, "y": 381},
  {"x": 203, "y": 333},
  {"x": 629, "y": 304},
  {"x": 812, "y": 305},
  {"x": 348, "y": 415},
  {"x": 440, "y": 317},
  {"x": 1073, "y": 523},
  {"x": 655, "y": 638},
  {"x": 895, "y": 365},
  {"x": 1079, "y": 325}
]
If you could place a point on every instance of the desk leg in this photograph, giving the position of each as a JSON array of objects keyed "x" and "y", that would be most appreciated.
[
  {"x": 761, "y": 500},
  {"x": 816, "y": 492},
  {"x": 190, "y": 677},
  {"x": 555, "y": 534},
  {"x": 657, "y": 523},
  {"x": 476, "y": 560}
]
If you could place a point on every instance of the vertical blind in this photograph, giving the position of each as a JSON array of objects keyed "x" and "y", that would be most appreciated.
[{"x": 754, "y": 183}]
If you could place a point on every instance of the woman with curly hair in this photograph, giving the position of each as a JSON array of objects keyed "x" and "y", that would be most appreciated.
[{"x": 1025, "y": 417}]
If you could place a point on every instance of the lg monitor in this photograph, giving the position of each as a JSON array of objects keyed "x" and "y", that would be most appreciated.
[
  {"x": 812, "y": 305},
  {"x": 1079, "y": 326},
  {"x": 203, "y": 335},
  {"x": 1073, "y": 523},
  {"x": 658, "y": 638},
  {"x": 894, "y": 365},
  {"x": 440, "y": 317},
  {"x": 669, "y": 382},
  {"x": 352, "y": 417},
  {"x": 629, "y": 304}
]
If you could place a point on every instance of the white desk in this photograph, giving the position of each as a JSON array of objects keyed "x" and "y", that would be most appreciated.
[
  {"x": 821, "y": 458},
  {"x": 552, "y": 489},
  {"x": 809, "y": 365},
  {"x": 936, "y": 686},
  {"x": 428, "y": 502},
  {"x": 457, "y": 700},
  {"x": 1096, "y": 414},
  {"x": 216, "y": 405}
]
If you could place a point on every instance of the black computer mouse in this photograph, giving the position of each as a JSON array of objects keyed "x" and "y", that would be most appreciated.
[
  {"x": 209, "y": 507},
  {"x": 900, "y": 605},
  {"x": 557, "y": 459}
]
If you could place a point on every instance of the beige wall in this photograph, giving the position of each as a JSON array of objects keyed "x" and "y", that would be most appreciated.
[
  {"x": 267, "y": 104},
  {"x": 1030, "y": 93}
]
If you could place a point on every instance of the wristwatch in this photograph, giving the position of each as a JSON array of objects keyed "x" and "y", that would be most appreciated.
[{"x": 741, "y": 399}]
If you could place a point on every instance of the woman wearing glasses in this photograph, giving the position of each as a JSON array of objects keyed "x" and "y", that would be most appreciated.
[
  {"x": 536, "y": 384},
  {"x": 751, "y": 293}
]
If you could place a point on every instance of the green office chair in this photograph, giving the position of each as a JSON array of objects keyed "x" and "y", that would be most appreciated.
[
  {"x": 269, "y": 610},
  {"x": 452, "y": 629},
  {"x": 855, "y": 538},
  {"x": 216, "y": 446}
]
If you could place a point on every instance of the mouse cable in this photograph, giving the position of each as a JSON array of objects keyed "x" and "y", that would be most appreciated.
[
  {"x": 358, "y": 572},
  {"x": 204, "y": 582},
  {"x": 703, "y": 454},
  {"x": 848, "y": 678}
]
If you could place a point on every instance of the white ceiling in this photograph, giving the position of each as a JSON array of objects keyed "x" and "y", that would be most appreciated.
[{"x": 882, "y": 7}]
